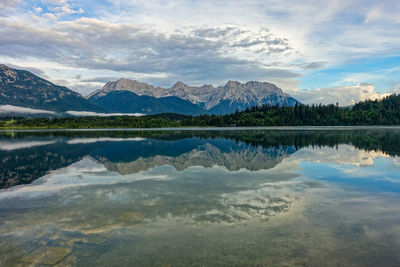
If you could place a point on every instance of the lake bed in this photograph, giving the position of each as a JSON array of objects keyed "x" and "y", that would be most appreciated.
[{"x": 201, "y": 197}]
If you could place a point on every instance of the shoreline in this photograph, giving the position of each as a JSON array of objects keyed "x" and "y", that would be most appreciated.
[{"x": 271, "y": 128}]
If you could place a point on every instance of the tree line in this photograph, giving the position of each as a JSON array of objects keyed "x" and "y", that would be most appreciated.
[{"x": 369, "y": 112}]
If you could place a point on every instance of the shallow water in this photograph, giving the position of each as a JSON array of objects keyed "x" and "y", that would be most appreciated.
[{"x": 251, "y": 197}]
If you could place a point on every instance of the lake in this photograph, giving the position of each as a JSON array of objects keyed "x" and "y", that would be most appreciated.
[{"x": 276, "y": 197}]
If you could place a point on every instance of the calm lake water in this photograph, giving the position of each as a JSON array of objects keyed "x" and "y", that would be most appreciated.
[{"x": 250, "y": 197}]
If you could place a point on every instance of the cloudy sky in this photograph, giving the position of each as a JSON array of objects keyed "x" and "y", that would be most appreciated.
[{"x": 318, "y": 51}]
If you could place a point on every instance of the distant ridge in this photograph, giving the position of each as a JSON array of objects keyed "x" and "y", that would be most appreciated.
[{"x": 127, "y": 102}]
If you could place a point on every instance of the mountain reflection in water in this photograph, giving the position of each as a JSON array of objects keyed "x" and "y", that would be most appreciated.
[
  {"x": 28, "y": 156},
  {"x": 200, "y": 198}
]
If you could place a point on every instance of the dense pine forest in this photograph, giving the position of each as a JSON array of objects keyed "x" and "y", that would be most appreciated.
[{"x": 370, "y": 112}]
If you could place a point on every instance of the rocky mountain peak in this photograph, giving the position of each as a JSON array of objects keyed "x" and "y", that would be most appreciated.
[
  {"x": 11, "y": 76},
  {"x": 179, "y": 84},
  {"x": 231, "y": 96},
  {"x": 6, "y": 70},
  {"x": 23, "y": 88},
  {"x": 233, "y": 84},
  {"x": 124, "y": 84},
  {"x": 3, "y": 67}
]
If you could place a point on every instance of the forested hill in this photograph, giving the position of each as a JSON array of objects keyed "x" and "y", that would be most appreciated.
[
  {"x": 369, "y": 112},
  {"x": 24, "y": 89}
]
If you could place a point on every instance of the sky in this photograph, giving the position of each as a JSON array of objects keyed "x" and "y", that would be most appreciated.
[{"x": 317, "y": 51}]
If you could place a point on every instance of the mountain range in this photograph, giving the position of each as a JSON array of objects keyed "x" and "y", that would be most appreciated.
[
  {"x": 23, "y": 89},
  {"x": 204, "y": 99}
]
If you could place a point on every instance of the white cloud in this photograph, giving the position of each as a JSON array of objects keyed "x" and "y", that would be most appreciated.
[
  {"x": 20, "y": 145},
  {"x": 85, "y": 172},
  {"x": 4, "y": 109},
  {"x": 344, "y": 95},
  {"x": 5, "y": 4},
  {"x": 38, "y": 10},
  {"x": 7, "y": 109},
  {"x": 89, "y": 113},
  {"x": 58, "y": 9},
  {"x": 198, "y": 42},
  {"x": 49, "y": 16},
  {"x": 55, "y": 2},
  {"x": 198, "y": 55},
  {"x": 396, "y": 89},
  {"x": 102, "y": 139},
  {"x": 341, "y": 155},
  {"x": 382, "y": 11}
]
